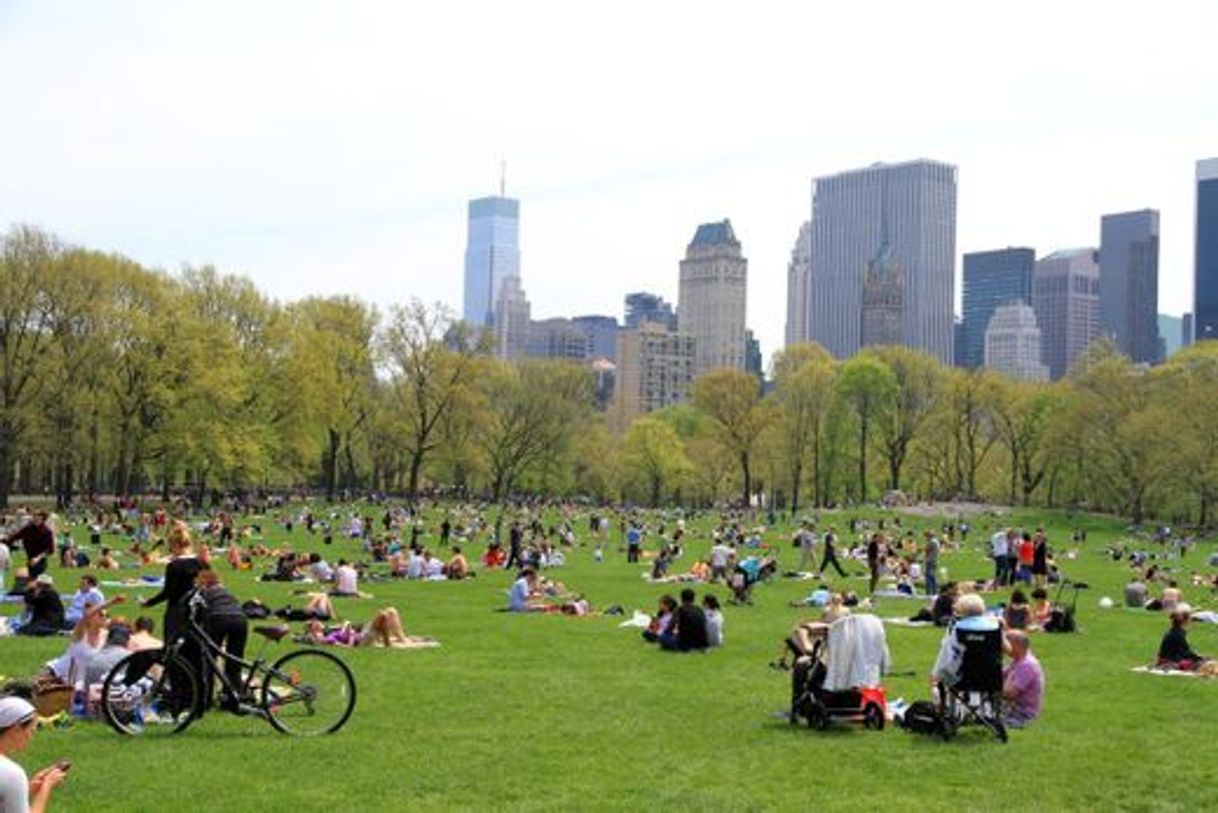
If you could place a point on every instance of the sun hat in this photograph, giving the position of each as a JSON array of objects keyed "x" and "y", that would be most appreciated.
[
  {"x": 14, "y": 710},
  {"x": 44, "y": 578}
]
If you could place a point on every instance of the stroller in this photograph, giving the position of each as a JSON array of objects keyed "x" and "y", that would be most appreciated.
[
  {"x": 840, "y": 679},
  {"x": 975, "y": 696}
]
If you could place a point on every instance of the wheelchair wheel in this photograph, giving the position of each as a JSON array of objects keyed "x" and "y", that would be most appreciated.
[{"x": 873, "y": 718}]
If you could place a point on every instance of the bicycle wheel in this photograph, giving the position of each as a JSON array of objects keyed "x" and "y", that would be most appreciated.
[
  {"x": 146, "y": 696},
  {"x": 308, "y": 692}
]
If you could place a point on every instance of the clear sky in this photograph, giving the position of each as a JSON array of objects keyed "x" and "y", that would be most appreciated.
[{"x": 331, "y": 147}]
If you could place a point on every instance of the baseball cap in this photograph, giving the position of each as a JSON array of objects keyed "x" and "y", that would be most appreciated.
[{"x": 14, "y": 710}]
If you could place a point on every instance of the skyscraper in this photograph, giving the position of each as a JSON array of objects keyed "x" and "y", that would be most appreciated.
[
  {"x": 1012, "y": 343},
  {"x": 511, "y": 322},
  {"x": 1066, "y": 298},
  {"x": 912, "y": 207},
  {"x": 712, "y": 297},
  {"x": 492, "y": 254},
  {"x": 644, "y": 307},
  {"x": 798, "y": 270},
  {"x": 1205, "y": 268},
  {"x": 1171, "y": 329},
  {"x": 991, "y": 278},
  {"x": 1129, "y": 283},
  {"x": 752, "y": 355},
  {"x": 880, "y": 321}
]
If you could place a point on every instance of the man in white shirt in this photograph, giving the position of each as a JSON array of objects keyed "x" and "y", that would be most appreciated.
[
  {"x": 86, "y": 594},
  {"x": 998, "y": 550},
  {"x": 720, "y": 556},
  {"x": 414, "y": 565},
  {"x": 807, "y": 549},
  {"x": 346, "y": 579}
]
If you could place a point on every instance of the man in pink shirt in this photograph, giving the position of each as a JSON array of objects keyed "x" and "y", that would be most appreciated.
[{"x": 1023, "y": 683}]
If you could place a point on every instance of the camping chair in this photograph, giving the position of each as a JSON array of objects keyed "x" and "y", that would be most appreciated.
[{"x": 976, "y": 694}]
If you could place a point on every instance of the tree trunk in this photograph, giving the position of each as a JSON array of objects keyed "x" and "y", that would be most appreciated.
[
  {"x": 797, "y": 475},
  {"x": 748, "y": 479},
  {"x": 416, "y": 465},
  {"x": 331, "y": 473},
  {"x": 862, "y": 459}
]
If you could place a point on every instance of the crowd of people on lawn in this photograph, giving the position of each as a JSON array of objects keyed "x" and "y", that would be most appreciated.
[{"x": 896, "y": 561}]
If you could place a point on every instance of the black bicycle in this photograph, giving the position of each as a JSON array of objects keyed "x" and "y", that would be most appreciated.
[{"x": 156, "y": 692}]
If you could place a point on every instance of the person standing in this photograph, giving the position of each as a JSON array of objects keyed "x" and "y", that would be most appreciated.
[
  {"x": 634, "y": 543},
  {"x": 1013, "y": 544},
  {"x": 19, "y": 794},
  {"x": 807, "y": 549},
  {"x": 38, "y": 540},
  {"x": 933, "y": 547},
  {"x": 873, "y": 559},
  {"x": 998, "y": 551},
  {"x": 830, "y": 543},
  {"x": 1040, "y": 559},
  {"x": 515, "y": 540},
  {"x": 179, "y": 580},
  {"x": 226, "y": 625}
]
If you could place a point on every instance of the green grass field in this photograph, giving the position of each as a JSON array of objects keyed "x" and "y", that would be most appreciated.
[{"x": 556, "y": 713}]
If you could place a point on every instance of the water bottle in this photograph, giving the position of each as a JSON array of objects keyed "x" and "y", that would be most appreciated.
[{"x": 78, "y": 700}]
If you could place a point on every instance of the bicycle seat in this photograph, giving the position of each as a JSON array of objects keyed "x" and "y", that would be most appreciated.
[{"x": 274, "y": 633}]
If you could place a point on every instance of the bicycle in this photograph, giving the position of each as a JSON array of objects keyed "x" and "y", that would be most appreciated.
[{"x": 307, "y": 692}]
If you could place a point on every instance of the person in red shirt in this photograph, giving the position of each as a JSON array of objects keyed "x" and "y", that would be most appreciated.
[{"x": 1027, "y": 552}]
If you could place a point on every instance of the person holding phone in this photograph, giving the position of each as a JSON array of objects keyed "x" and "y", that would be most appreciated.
[{"x": 19, "y": 794}]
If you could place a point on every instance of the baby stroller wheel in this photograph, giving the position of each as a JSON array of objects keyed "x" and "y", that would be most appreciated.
[
  {"x": 873, "y": 718},
  {"x": 818, "y": 717}
]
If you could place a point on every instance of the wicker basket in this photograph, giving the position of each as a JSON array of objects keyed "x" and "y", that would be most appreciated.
[{"x": 51, "y": 699}]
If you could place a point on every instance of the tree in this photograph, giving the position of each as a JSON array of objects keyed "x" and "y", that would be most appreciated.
[
  {"x": 432, "y": 359},
  {"x": 918, "y": 378},
  {"x": 732, "y": 401},
  {"x": 1022, "y": 412},
  {"x": 26, "y": 307},
  {"x": 803, "y": 390},
  {"x": 1187, "y": 390},
  {"x": 531, "y": 408},
  {"x": 868, "y": 388},
  {"x": 653, "y": 450}
]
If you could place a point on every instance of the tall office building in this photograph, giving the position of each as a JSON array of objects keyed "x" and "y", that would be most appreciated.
[
  {"x": 511, "y": 323},
  {"x": 655, "y": 369},
  {"x": 600, "y": 333},
  {"x": 912, "y": 207},
  {"x": 798, "y": 270},
  {"x": 1012, "y": 343},
  {"x": 991, "y": 278},
  {"x": 1186, "y": 330},
  {"x": 880, "y": 321},
  {"x": 1066, "y": 298},
  {"x": 1129, "y": 283},
  {"x": 1205, "y": 260},
  {"x": 492, "y": 254},
  {"x": 644, "y": 307},
  {"x": 712, "y": 297},
  {"x": 753, "y": 361}
]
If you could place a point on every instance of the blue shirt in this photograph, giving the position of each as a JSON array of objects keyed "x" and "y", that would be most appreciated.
[
  {"x": 518, "y": 595},
  {"x": 76, "y": 610}
]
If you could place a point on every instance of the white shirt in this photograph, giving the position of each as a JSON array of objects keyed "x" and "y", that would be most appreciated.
[
  {"x": 14, "y": 787},
  {"x": 714, "y": 628},
  {"x": 346, "y": 580},
  {"x": 719, "y": 555},
  {"x": 414, "y": 566},
  {"x": 434, "y": 568},
  {"x": 998, "y": 544}
]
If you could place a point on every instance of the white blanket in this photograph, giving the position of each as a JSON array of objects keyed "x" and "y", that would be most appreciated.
[{"x": 858, "y": 653}]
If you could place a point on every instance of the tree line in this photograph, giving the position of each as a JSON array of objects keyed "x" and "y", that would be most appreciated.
[{"x": 119, "y": 379}]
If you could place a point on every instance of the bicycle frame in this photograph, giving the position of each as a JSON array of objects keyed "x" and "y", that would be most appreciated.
[{"x": 212, "y": 650}]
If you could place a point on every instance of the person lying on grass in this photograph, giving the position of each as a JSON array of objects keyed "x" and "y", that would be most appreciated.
[{"x": 384, "y": 630}]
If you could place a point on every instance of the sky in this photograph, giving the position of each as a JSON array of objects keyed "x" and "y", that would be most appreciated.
[{"x": 323, "y": 148}]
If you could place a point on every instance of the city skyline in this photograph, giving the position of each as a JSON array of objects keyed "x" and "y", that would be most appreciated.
[{"x": 301, "y": 151}]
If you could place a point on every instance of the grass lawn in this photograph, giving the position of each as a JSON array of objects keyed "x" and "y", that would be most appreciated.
[{"x": 556, "y": 713}]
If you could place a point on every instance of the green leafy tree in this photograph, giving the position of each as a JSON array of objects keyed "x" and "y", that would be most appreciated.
[
  {"x": 730, "y": 398},
  {"x": 868, "y": 388}
]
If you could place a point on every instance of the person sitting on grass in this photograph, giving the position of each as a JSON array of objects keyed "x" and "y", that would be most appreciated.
[
  {"x": 346, "y": 580},
  {"x": 1174, "y": 649},
  {"x": 687, "y": 633},
  {"x": 106, "y": 560},
  {"x": 714, "y": 620},
  {"x": 44, "y": 608},
  {"x": 142, "y": 637},
  {"x": 1017, "y": 614},
  {"x": 18, "y": 721},
  {"x": 88, "y": 638},
  {"x": 1023, "y": 683},
  {"x": 1042, "y": 608},
  {"x": 525, "y": 594},
  {"x": 458, "y": 566},
  {"x": 662, "y": 621}
]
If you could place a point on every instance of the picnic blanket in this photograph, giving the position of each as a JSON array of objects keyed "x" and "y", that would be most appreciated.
[
  {"x": 905, "y": 622},
  {"x": 1154, "y": 670},
  {"x": 639, "y": 620}
]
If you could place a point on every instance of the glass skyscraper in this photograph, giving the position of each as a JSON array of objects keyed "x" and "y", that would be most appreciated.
[
  {"x": 991, "y": 278},
  {"x": 492, "y": 254},
  {"x": 907, "y": 210},
  {"x": 1129, "y": 283},
  {"x": 1205, "y": 272}
]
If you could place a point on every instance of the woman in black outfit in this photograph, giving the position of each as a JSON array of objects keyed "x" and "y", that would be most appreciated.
[
  {"x": 176, "y": 589},
  {"x": 179, "y": 580},
  {"x": 227, "y": 626}
]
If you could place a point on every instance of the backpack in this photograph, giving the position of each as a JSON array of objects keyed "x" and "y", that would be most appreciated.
[
  {"x": 922, "y": 717},
  {"x": 1061, "y": 619}
]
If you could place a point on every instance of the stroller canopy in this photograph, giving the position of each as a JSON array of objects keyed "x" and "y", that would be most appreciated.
[{"x": 857, "y": 655}]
